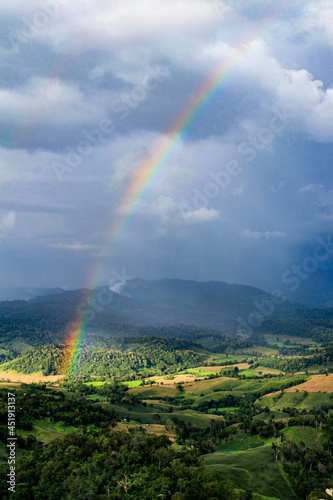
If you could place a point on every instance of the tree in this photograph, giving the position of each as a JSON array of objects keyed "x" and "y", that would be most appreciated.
[
  {"x": 156, "y": 418},
  {"x": 276, "y": 450}
]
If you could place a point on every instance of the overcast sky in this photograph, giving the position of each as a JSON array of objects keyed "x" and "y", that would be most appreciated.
[{"x": 89, "y": 87}]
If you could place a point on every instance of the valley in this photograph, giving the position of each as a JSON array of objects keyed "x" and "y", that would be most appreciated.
[{"x": 249, "y": 409}]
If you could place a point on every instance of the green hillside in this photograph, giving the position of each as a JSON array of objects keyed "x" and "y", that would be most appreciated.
[{"x": 245, "y": 469}]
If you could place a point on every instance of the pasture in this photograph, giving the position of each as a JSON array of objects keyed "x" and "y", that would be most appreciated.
[
  {"x": 281, "y": 339},
  {"x": 301, "y": 400},
  {"x": 246, "y": 468},
  {"x": 312, "y": 438},
  {"x": 44, "y": 430}
]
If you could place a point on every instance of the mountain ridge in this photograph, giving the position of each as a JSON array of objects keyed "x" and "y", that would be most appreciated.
[{"x": 216, "y": 305}]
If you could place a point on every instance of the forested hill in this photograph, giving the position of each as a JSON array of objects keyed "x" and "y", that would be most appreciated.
[
  {"x": 155, "y": 308},
  {"x": 141, "y": 357},
  {"x": 160, "y": 303}
]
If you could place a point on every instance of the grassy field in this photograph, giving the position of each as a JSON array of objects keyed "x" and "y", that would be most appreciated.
[
  {"x": 250, "y": 373},
  {"x": 264, "y": 351},
  {"x": 231, "y": 408},
  {"x": 260, "y": 370},
  {"x": 195, "y": 418},
  {"x": 274, "y": 415},
  {"x": 281, "y": 344},
  {"x": 246, "y": 468},
  {"x": 292, "y": 340},
  {"x": 46, "y": 431},
  {"x": 158, "y": 413},
  {"x": 15, "y": 345},
  {"x": 95, "y": 384},
  {"x": 237, "y": 357},
  {"x": 261, "y": 497},
  {"x": 312, "y": 438},
  {"x": 247, "y": 461},
  {"x": 155, "y": 392},
  {"x": 131, "y": 383},
  {"x": 243, "y": 444},
  {"x": 206, "y": 387},
  {"x": 203, "y": 371},
  {"x": 301, "y": 400},
  {"x": 264, "y": 370}
]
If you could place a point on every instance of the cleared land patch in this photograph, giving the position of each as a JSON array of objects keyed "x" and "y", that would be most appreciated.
[
  {"x": 179, "y": 378},
  {"x": 257, "y": 349},
  {"x": 316, "y": 383},
  {"x": 27, "y": 379},
  {"x": 276, "y": 339},
  {"x": 44, "y": 430}
]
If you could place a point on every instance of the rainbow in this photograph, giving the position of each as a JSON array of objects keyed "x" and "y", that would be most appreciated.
[{"x": 141, "y": 182}]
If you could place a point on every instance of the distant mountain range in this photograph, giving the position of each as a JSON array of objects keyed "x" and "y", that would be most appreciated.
[
  {"x": 314, "y": 291},
  {"x": 159, "y": 303},
  {"x": 16, "y": 293}
]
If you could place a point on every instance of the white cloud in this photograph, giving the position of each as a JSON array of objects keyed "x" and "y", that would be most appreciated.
[
  {"x": 124, "y": 167},
  {"x": 117, "y": 288},
  {"x": 307, "y": 101},
  {"x": 99, "y": 24},
  {"x": 74, "y": 247},
  {"x": 266, "y": 235},
  {"x": 165, "y": 209},
  {"x": 202, "y": 215},
  {"x": 310, "y": 188},
  {"x": 318, "y": 17},
  {"x": 48, "y": 100},
  {"x": 93, "y": 52},
  {"x": 8, "y": 221},
  {"x": 310, "y": 101},
  {"x": 20, "y": 166}
]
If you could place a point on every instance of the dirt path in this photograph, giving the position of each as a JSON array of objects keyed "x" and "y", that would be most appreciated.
[{"x": 250, "y": 480}]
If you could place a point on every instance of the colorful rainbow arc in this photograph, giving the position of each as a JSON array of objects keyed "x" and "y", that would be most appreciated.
[{"x": 144, "y": 178}]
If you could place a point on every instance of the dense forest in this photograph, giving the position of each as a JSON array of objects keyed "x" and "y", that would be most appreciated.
[
  {"x": 114, "y": 465},
  {"x": 294, "y": 364},
  {"x": 147, "y": 356},
  {"x": 99, "y": 462},
  {"x": 176, "y": 309}
]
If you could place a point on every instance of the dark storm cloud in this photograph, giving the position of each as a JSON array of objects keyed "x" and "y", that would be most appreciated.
[{"x": 87, "y": 95}]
